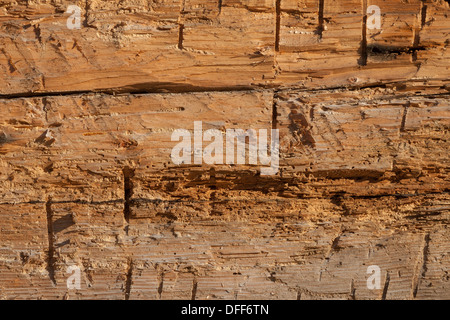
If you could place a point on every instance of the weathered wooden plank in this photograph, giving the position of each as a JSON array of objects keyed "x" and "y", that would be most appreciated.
[
  {"x": 87, "y": 179},
  {"x": 305, "y": 248},
  {"x": 332, "y": 46},
  {"x": 191, "y": 46},
  {"x": 134, "y": 46}
]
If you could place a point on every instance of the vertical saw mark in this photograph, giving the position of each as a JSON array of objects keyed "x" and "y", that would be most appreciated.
[
  {"x": 180, "y": 36},
  {"x": 129, "y": 279},
  {"x": 274, "y": 112},
  {"x": 213, "y": 181},
  {"x": 405, "y": 115},
  {"x": 352, "y": 290},
  {"x": 321, "y": 27},
  {"x": 128, "y": 174},
  {"x": 86, "y": 13},
  {"x": 422, "y": 263},
  {"x": 277, "y": 24},
  {"x": 194, "y": 288},
  {"x": 386, "y": 286},
  {"x": 363, "y": 49},
  {"x": 422, "y": 17},
  {"x": 311, "y": 114},
  {"x": 181, "y": 25},
  {"x": 51, "y": 248},
  {"x": 160, "y": 281},
  {"x": 423, "y": 13}
]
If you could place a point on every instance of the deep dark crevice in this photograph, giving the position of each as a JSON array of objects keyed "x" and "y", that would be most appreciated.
[
  {"x": 86, "y": 14},
  {"x": 423, "y": 19},
  {"x": 212, "y": 179},
  {"x": 392, "y": 50},
  {"x": 414, "y": 53},
  {"x": 334, "y": 196},
  {"x": 136, "y": 89},
  {"x": 194, "y": 288},
  {"x": 352, "y": 290},
  {"x": 363, "y": 48},
  {"x": 386, "y": 286},
  {"x": 51, "y": 249},
  {"x": 160, "y": 281},
  {"x": 68, "y": 202},
  {"x": 149, "y": 88},
  {"x": 321, "y": 27},
  {"x": 274, "y": 111},
  {"x": 337, "y": 199},
  {"x": 181, "y": 36},
  {"x": 44, "y": 94},
  {"x": 129, "y": 279},
  {"x": 128, "y": 174},
  {"x": 181, "y": 25},
  {"x": 37, "y": 32},
  {"x": 424, "y": 14},
  {"x": 220, "y": 6},
  {"x": 277, "y": 24},
  {"x": 405, "y": 115}
]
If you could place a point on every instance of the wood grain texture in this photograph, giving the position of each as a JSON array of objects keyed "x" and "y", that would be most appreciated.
[
  {"x": 87, "y": 179},
  {"x": 189, "y": 45}
]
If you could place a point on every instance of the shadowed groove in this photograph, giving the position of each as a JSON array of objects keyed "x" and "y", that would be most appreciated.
[
  {"x": 51, "y": 249},
  {"x": 277, "y": 24},
  {"x": 321, "y": 20},
  {"x": 363, "y": 48}
]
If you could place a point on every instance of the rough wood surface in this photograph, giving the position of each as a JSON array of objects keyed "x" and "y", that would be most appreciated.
[
  {"x": 87, "y": 180},
  {"x": 186, "y": 45}
]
